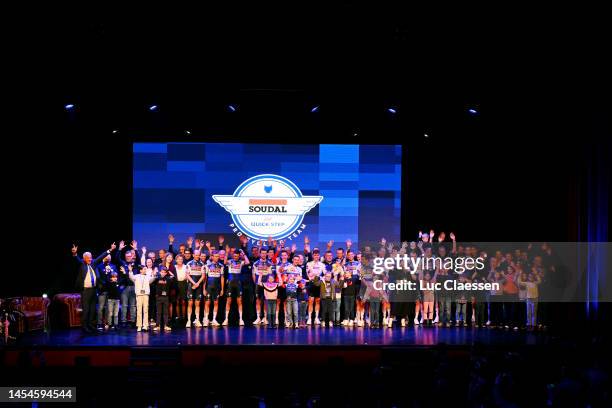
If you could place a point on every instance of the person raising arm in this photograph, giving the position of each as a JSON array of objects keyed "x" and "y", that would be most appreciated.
[{"x": 86, "y": 282}]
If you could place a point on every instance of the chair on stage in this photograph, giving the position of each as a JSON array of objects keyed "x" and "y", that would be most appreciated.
[
  {"x": 68, "y": 310},
  {"x": 33, "y": 312}
]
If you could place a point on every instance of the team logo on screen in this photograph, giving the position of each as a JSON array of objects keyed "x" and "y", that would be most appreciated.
[{"x": 266, "y": 206}]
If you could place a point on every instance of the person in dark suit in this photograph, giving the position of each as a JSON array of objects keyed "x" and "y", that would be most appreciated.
[{"x": 86, "y": 282}]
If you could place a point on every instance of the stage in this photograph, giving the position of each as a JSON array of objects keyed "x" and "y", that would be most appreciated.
[
  {"x": 196, "y": 346},
  {"x": 262, "y": 336}
]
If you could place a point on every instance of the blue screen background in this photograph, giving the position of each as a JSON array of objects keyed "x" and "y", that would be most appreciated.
[{"x": 174, "y": 183}]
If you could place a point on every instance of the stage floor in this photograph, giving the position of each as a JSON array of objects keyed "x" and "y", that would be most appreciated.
[{"x": 262, "y": 336}]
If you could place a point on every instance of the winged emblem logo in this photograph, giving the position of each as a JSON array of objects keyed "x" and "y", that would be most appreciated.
[{"x": 267, "y": 205}]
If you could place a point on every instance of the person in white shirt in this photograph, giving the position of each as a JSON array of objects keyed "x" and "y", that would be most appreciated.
[
  {"x": 151, "y": 270},
  {"x": 142, "y": 289},
  {"x": 314, "y": 268}
]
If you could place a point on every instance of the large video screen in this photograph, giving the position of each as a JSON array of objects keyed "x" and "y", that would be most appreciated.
[{"x": 284, "y": 191}]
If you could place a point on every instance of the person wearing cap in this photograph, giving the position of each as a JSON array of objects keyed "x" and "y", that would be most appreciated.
[
  {"x": 113, "y": 295},
  {"x": 188, "y": 255},
  {"x": 104, "y": 269}
]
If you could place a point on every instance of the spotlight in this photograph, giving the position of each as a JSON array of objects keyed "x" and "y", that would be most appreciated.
[
  {"x": 153, "y": 108},
  {"x": 392, "y": 111},
  {"x": 426, "y": 135},
  {"x": 69, "y": 107},
  {"x": 231, "y": 108},
  {"x": 314, "y": 109},
  {"x": 115, "y": 131},
  {"x": 44, "y": 295},
  {"x": 355, "y": 133},
  {"x": 473, "y": 111},
  {"x": 188, "y": 132}
]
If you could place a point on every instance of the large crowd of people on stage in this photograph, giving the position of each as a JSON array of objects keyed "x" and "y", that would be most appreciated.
[{"x": 200, "y": 284}]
